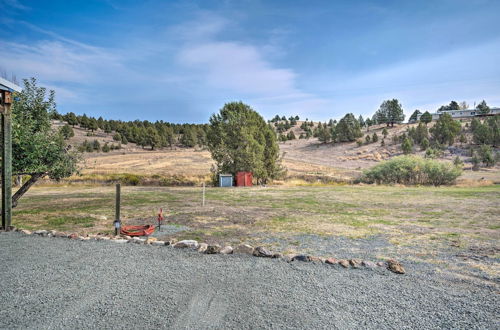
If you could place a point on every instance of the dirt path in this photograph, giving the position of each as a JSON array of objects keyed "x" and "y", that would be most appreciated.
[{"x": 60, "y": 283}]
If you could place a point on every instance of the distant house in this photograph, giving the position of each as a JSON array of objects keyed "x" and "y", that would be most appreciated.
[{"x": 460, "y": 114}]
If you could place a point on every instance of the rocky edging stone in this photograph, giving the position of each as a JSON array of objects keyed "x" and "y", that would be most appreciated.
[{"x": 260, "y": 251}]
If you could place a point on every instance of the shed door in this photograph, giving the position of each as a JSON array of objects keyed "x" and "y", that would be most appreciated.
[{"x": 226, "y": 181}]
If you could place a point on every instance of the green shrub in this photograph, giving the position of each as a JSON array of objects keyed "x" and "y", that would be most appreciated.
[
  {"x": 407, "y": 146},
  {"x": 106, "y": 148},
  {"x": 487, "y": 156},
  {"x": 424, "y": 144},
  {"x": 412, "y": 170},
  {"x": 433, "y": 153}
]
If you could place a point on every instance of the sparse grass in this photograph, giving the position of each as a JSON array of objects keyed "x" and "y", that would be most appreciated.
[{"x": 353, "y": 211}]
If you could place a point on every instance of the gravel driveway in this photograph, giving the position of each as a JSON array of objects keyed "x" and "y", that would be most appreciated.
[{"x": 61, "y": 283}]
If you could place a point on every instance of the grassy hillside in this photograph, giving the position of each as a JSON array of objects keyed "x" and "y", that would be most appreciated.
[{"x": 305, "y": 159}]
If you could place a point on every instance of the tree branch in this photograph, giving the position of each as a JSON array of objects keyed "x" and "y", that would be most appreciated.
[{"x": 27, "y": 185}]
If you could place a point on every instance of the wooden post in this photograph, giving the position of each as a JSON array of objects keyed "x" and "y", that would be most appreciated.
[
  {"x": 203, "y": 200},
  {"x": 117, "y": 207},
  {"x": 6, "y": 161}
]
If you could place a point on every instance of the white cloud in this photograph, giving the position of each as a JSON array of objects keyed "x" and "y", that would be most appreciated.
[{"x": 237, "y": 67}]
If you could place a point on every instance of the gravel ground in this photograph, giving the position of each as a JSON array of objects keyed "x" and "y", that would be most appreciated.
[{"x": 61, "y": 283}]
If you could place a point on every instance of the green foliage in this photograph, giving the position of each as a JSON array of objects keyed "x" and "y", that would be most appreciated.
[
  {"x": 486, "y": 155},
  {"x": 419, "y": 133},
  {"x": 105, "y": 147},
  {"x": 424, "y": 144},
  {"x": 407, "y": 146},
  {"x": 414, "y": 115},
  {"x": 92, "y": 124},
  {"x": 487, "y": 132},
  {"x": 385, "y": 132},
  {"x": 445, "y": 130},
  {"x": 433, "y": 153},
  {"x": 426, "y": 117},
  {"x": 324, "y": 133},
  {"x": 412, "y": 170},
  {"x": 375, "y": 137},
  {"x": 240, "y": 140},
  {"x": 458, "y": 162},
  {"x": 390, "y": 112},
  {"x": 96, "y": 146},
  {"x": 452, "y": 106},
  {"x": 483, "y": 108},
  {"x": 475, "y": 161},
  {"x": 71, "y": 119},
  {"x": 359, "y": 143},
  {"x": 66, "y": 132},
  {"x": 368, "y": 138},
  {"x": 36, "y": 148},
  {"x": 348, "y": 129},
  {"x": 117, "y": 137}
]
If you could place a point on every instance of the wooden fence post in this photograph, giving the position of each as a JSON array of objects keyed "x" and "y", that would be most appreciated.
[
  {"x": 6, "y": 162},
  {"x": 117, "y": 223}
]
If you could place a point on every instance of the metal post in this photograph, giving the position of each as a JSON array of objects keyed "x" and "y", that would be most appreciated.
[
  {"x": 117, "y": 208},
  {"x": 203, "y": 200},
  {"x": 6, "y": 162}
]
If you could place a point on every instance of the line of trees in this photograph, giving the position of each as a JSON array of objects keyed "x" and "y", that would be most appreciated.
[{"x": 155, "y": 135}]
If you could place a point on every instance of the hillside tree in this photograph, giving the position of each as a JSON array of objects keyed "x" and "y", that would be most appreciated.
[{"x": 446, "y": 129}]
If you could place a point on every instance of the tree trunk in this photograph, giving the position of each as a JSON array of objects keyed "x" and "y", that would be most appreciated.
[{"x": 27, "y": 185}]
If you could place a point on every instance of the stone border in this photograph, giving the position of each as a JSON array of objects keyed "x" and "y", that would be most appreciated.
[{"x": 260, "y": 251}]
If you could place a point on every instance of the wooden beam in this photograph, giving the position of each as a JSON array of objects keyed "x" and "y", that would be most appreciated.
[{"x": 6, "y": 161}]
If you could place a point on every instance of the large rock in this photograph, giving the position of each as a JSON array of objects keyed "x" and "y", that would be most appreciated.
[
  {"x": 26, "y": 232},
  {"x": 316, "y": 259},
  {"x": 395, "y": 267},
  {"x": 344, "y": 263},
  {"x": 213, "y": 249},
  {"x": 301, "y": 257},
  {"x": 150, "y": 240},
  {"x": 119, "y": 241},
  {"x": 355, "y": 263},
  {"x": 261, "y": 251},
  {"x": 227, "y": 250},
  {"x": 137, "y": 240},
  {"x": 187, "y": 243},
  {"x": 202, "y": 247},
  {"x": 244, "y": 248},
  {"x": 368, "y": 264},
  {"x": 331, "y": 261},
  {"x": 158, "y": 243}
]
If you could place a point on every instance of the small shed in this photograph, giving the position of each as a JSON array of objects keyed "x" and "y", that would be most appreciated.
[
  {"x": 225, "y": 180},
  {"x": 244, "y": 179}
]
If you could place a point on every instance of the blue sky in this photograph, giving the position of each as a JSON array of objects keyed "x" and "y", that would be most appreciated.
[{"x": 180, "y": 61}]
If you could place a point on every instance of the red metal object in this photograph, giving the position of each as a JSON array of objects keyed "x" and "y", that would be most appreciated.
[
  {"x": 244, "y": 179},
  {"x": 144, "y": 230},
  {"x": 160, "y": 216}
]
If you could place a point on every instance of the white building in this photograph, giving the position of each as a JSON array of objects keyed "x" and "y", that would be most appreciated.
[{"x": 467, "y": 113}]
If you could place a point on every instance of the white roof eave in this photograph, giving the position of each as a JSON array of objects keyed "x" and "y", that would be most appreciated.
[{"x": 6, "y": 85}]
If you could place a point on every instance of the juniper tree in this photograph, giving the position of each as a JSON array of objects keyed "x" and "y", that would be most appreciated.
[{"x": 240, "y": 140}]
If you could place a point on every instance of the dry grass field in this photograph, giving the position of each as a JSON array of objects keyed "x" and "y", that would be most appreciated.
[{"x": 305, "y": 160}]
